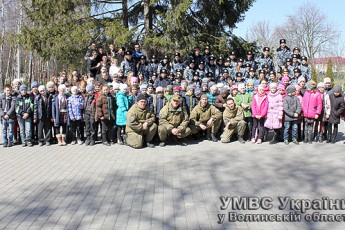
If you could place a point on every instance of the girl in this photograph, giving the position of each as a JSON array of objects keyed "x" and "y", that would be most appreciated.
[
  {"x": 123, "y": 105},
  {"x": 60, "y": 114},
  {"x": 259, "y": 113},
  {"x": 274, "y": 112},
  {"x": 312, "y": 107},
  {"x": 75, "y": 112},
  {"x": 319, "y": 128}
]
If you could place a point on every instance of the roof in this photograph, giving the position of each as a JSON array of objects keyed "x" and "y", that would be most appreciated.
[{"x": 338, "y": 60}]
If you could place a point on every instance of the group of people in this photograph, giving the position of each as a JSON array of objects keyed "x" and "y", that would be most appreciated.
[{"x": 139, "y": 103}]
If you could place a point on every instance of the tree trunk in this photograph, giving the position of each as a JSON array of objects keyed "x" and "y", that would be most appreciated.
[
  {"x": 125, "y": 13},
  {"x": 2, "y": 78}
]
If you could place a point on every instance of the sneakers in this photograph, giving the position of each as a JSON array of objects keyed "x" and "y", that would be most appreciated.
[
  {"x": 92, "y": 143},
  {"x": 295, "y": 141},
  {"x": 80, "y": 142},
  {"x": 259, "y": 141},
  {"x": 253, "y": 141},
  {"x": 286, "y": 142},
  {"x": 24, "y": 144},
  {"x": 40, "y": 144},
  {"x": 106, "y": 143},
  {"x": 87, "y": 142},
  {"x": 47, "y": 143},
  {"x": 4, "y": 145},
  {"x": 10, "y": 144},
  {"x": 213, "y": 137},
  {"x": 162, "y": 144},
  {"x": 73, "y": 142},
  {"x": 240, "y": 139}
]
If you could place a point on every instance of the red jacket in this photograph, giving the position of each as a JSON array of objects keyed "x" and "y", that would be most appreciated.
[
  {"x": 259, "y": 105},
  {"x": 311, "y": 104}
]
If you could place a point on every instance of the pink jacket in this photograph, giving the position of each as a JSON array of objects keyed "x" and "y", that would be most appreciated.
[
  {"x": 259, "y": 105},
  {"x": 275, "y": 111},
  {"x": 311, "y": 104}
]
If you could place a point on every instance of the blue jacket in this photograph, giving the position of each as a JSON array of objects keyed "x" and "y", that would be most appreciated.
[
  {"x": 123, "y": 105},
  {"x": 75, "y": 107},
  {"x": 42, "y": 111}
]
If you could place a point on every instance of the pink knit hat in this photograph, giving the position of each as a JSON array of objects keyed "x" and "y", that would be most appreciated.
[{"x": 281, "y": 86}]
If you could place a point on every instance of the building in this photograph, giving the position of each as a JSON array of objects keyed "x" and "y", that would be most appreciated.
[{"x": 321, "y": 64}]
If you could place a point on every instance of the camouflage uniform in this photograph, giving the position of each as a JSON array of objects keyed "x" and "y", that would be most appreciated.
[{"x": 237, "y": 124}]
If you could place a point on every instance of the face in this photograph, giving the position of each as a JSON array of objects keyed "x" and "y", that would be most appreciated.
[
  {"x": 175, "y": 103},
  {"x": 282, "y": 45},
  {"x": 281, "y": 91},
  {"x": 327, "y": 85},
  {"x": 286, "y": 82},
  {"x": 183, "y": 86},
  {"x": 134, "y": 91},
  {"x": 273, "y": 90},
  {"x": 203, "y": 102},
  {"x": 62, "y": 90},
  {"x": 302, "y": 84},
  {"x": 250, "y": 85},
  {"x": 150, "y": 90},
  {"x": 137, "y": 47},
  {"x": 264, "y": 83},
  {"x": 42, "y": 92},
  {"x": 51, "y": 88},
  {"x": 90, "y": 92},
  {"x": 144, "y": 91},
  {"x": 321, "y": 89},
  {"x": 243, "y": 90},
  {"x": 97, "y": 88},
  {"x": 234, "y": 92},
  {"x": 230, "y": 104},
  {"x": 261, "y": 91},
  {"x": 34, "y": 89},
  {"x": 105, "y": 90},
  {"x": 204, "y": 88},
  {"x": 23, "y": 92},
  {"x": 142, "y": 104},
  {"x": 7, "y": 91}
]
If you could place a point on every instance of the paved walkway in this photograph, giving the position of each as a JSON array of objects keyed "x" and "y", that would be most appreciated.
[{"x": 99, "y": 187}]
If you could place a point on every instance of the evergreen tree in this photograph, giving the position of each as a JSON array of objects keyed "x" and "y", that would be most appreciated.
[
  {"x": 313, "y": 74},
  {"x": 329, "y": 70}
]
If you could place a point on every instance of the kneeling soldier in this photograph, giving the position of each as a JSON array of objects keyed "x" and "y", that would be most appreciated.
[
  {"x": 233, "y": 117},
  {"x": 205, "y": 117},
  {"x": 140, "y": 124},
  {"x": 173, "y": 120}
]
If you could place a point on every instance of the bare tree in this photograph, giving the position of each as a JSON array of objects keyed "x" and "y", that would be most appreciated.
[
  {"x": 263, "y": 33},
  {"x": 308, "y": 29}
]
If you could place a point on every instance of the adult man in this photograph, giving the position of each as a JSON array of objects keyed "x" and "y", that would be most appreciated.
[
  {"x": 205, "y": 117},
  {"x": 128, "y": 64},
  {"x": 104, "y": 77},
  {"x": 233, "y": 117},
  {"x": 173, "y": 120},
  {"x": 283, "y": 52},
  {"x": 140, "y": 125},
  {"x": 162, "y": 80}
]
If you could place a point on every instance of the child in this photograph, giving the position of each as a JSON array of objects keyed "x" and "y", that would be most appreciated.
[
  {"x": 312, "y": 107},
  {"x": 24, "y": 110},
  {"x": 319, "y": 128},
  {"x": 123, "y": 105},
  {"x": 259, "y": 113},
  {"x": 105, "y": 112},
  {"x": 75, "y": 112},
  {"x": 337, "y": 107},
  {"x": 244, "y": 100},
  {"x": 89, "y": 115},
  {"x": 60, "y": 114},
  {"x": 250, "y": 87},
  {"x": 7, "y": 116},
  {"x": 274, "y": 113},
  {"x": 300, "y": 123},
  {"x": 292, "y": 109},
  {"x": 43, "y": 116}
]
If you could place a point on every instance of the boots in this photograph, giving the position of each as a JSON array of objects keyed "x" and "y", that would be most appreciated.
[
  {"x": 334, "y": 136},
  {"x": 310, "y": 137},
  {"x": 213, "y": 137},
  {"x": 274, "y": 138},
  {"x": 63, "y": 140},
  {"x": 320, "y": 137},
  {"x": 329, "y": 133},
  {"x": 316, "y": 137},
  {"x": 240, "y": 139},
  {"x": 59, "y": 139}
]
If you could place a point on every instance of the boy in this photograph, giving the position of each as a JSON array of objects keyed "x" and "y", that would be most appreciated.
[
  {"x": 292, "y": 109},
  {"x": 244, "y": 100},
  {"x": 105, "y": 110},
  {"x": 89, "y": 115},
  {"x": 7, "y": 115},
  {"x": 24, "y": 110}
]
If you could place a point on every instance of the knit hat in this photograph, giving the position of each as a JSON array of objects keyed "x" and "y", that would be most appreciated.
[
  {"x": 50, "y": 84},
  {"x": 261, "y": 87},
  {"x": 220, "y": 85},
  {"x": 141, "y": 97},
  {"x": 176, "y": 88},
  {"x": 223, "y": 91},
  {"x": 23, "y": 87},
  {"x": 311, "y": 84},
  {"x": 273, "y": 85},
  {"x": 159, "y": 89},
  {"x": 300, "y": 79},
  {"x": 338, "y": 89},
  {"x": 123, "y": 87},
  {"x": 281, "y": 86},
  {"x": 176, "y": 97},
  {"x": 190, "y": 87},
  {"x": 41, "y": 88},
  {"x": 327, "y": 80},
  {"x": 184, "y": 82},
  {"x": 62, "y": 86},
  {"x": 169, "y": 88},
  {"x": 89, "y": 88},
  {"x": 285, "y": 78},
  {"x": 142, "y": 87},
  {"x": 234, "y": 87},
  {"x": 320, "y": 84},
  {"x": 241, "y": 86},
  {"x": 211, "y": 84},
  {"x": 116, "y": 86},
  {"x": 291, "y": 89},
  {"x": 34, "y": 84},
  {"x": 74, "y": 88},
  {"x": 297, "y": 87},
  {"x": 197, "y": 92},
  {"x": 251, "y": 81}
]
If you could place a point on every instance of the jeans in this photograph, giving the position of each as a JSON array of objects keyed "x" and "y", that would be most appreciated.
[
  {"x": 287, "y": 125},
  {"x": 25, "y": 129},
  {"x": 7, "y": 135},
  {"x": 44, "y": 126}
]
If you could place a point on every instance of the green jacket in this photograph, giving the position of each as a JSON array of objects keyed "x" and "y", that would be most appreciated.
[
  {"x": 136, "y": 117},
  {"x": 173, "y": 118},
  {"x": 200, "y": 115},
  {"x": 244, "y": 99}
]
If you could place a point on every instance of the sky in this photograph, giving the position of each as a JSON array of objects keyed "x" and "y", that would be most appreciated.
[{"x": 275, "y": 12}]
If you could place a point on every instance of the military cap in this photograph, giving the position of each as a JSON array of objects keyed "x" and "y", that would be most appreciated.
[
  {"x": 154, "y": 74},
  {"x": 240, "y": 60},
  {"x": 247, "y": 65},
  {"x": 177, "y": 54},
  {"x": 232, "y": 53},
  {"x": 220, "y": 59},
  {"x": 227, "y": 59},
  {"x": 294, "y": 56},
  {"x": 296, "y": 70},
  {"x": 128, "y": 52},
  {"x": 252, "y": 70},
  {"x": 266, "y": 49},
  {"x": 196, "y": 73},
  {"x": 239, "y": 74},
  {"x": 262, "y": 72},
  {"x": 176, "y": 97},
  {"x": 211, "y": 58},
  {"x": 169, "y": 88},
  {"x": 207, "y": 47},
  {"x": 296, "y": 48},
  {"x": 179, "y": 70},
  {"x": 264, "y": 66},
  {"x": 163, "y": 71},
  {"x": 249, "y": 53},
  {"x": 166, "y": 57},
  {"x": 209, "y": 74},
  {"x": 282, "y": 41},
  {"x": 304, "y": 58},
  {"x": 288, "y": 59},
  {"x": 142, "y": 57},
  {"x": 225, "y": 71},
  {"x": 272, "y": 73},
  {"x": 191, "y": 61},
  {"x": 201, "y": 63},
  {"x": 153, "y": 57}
]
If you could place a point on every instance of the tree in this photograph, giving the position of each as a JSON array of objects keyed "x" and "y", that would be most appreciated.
[
  {"x": 262, "y": 33},
  {"x": 308, "y": 29},
  {"x": 329, "y": 71},
  {"x": 313, "y": 74}
]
